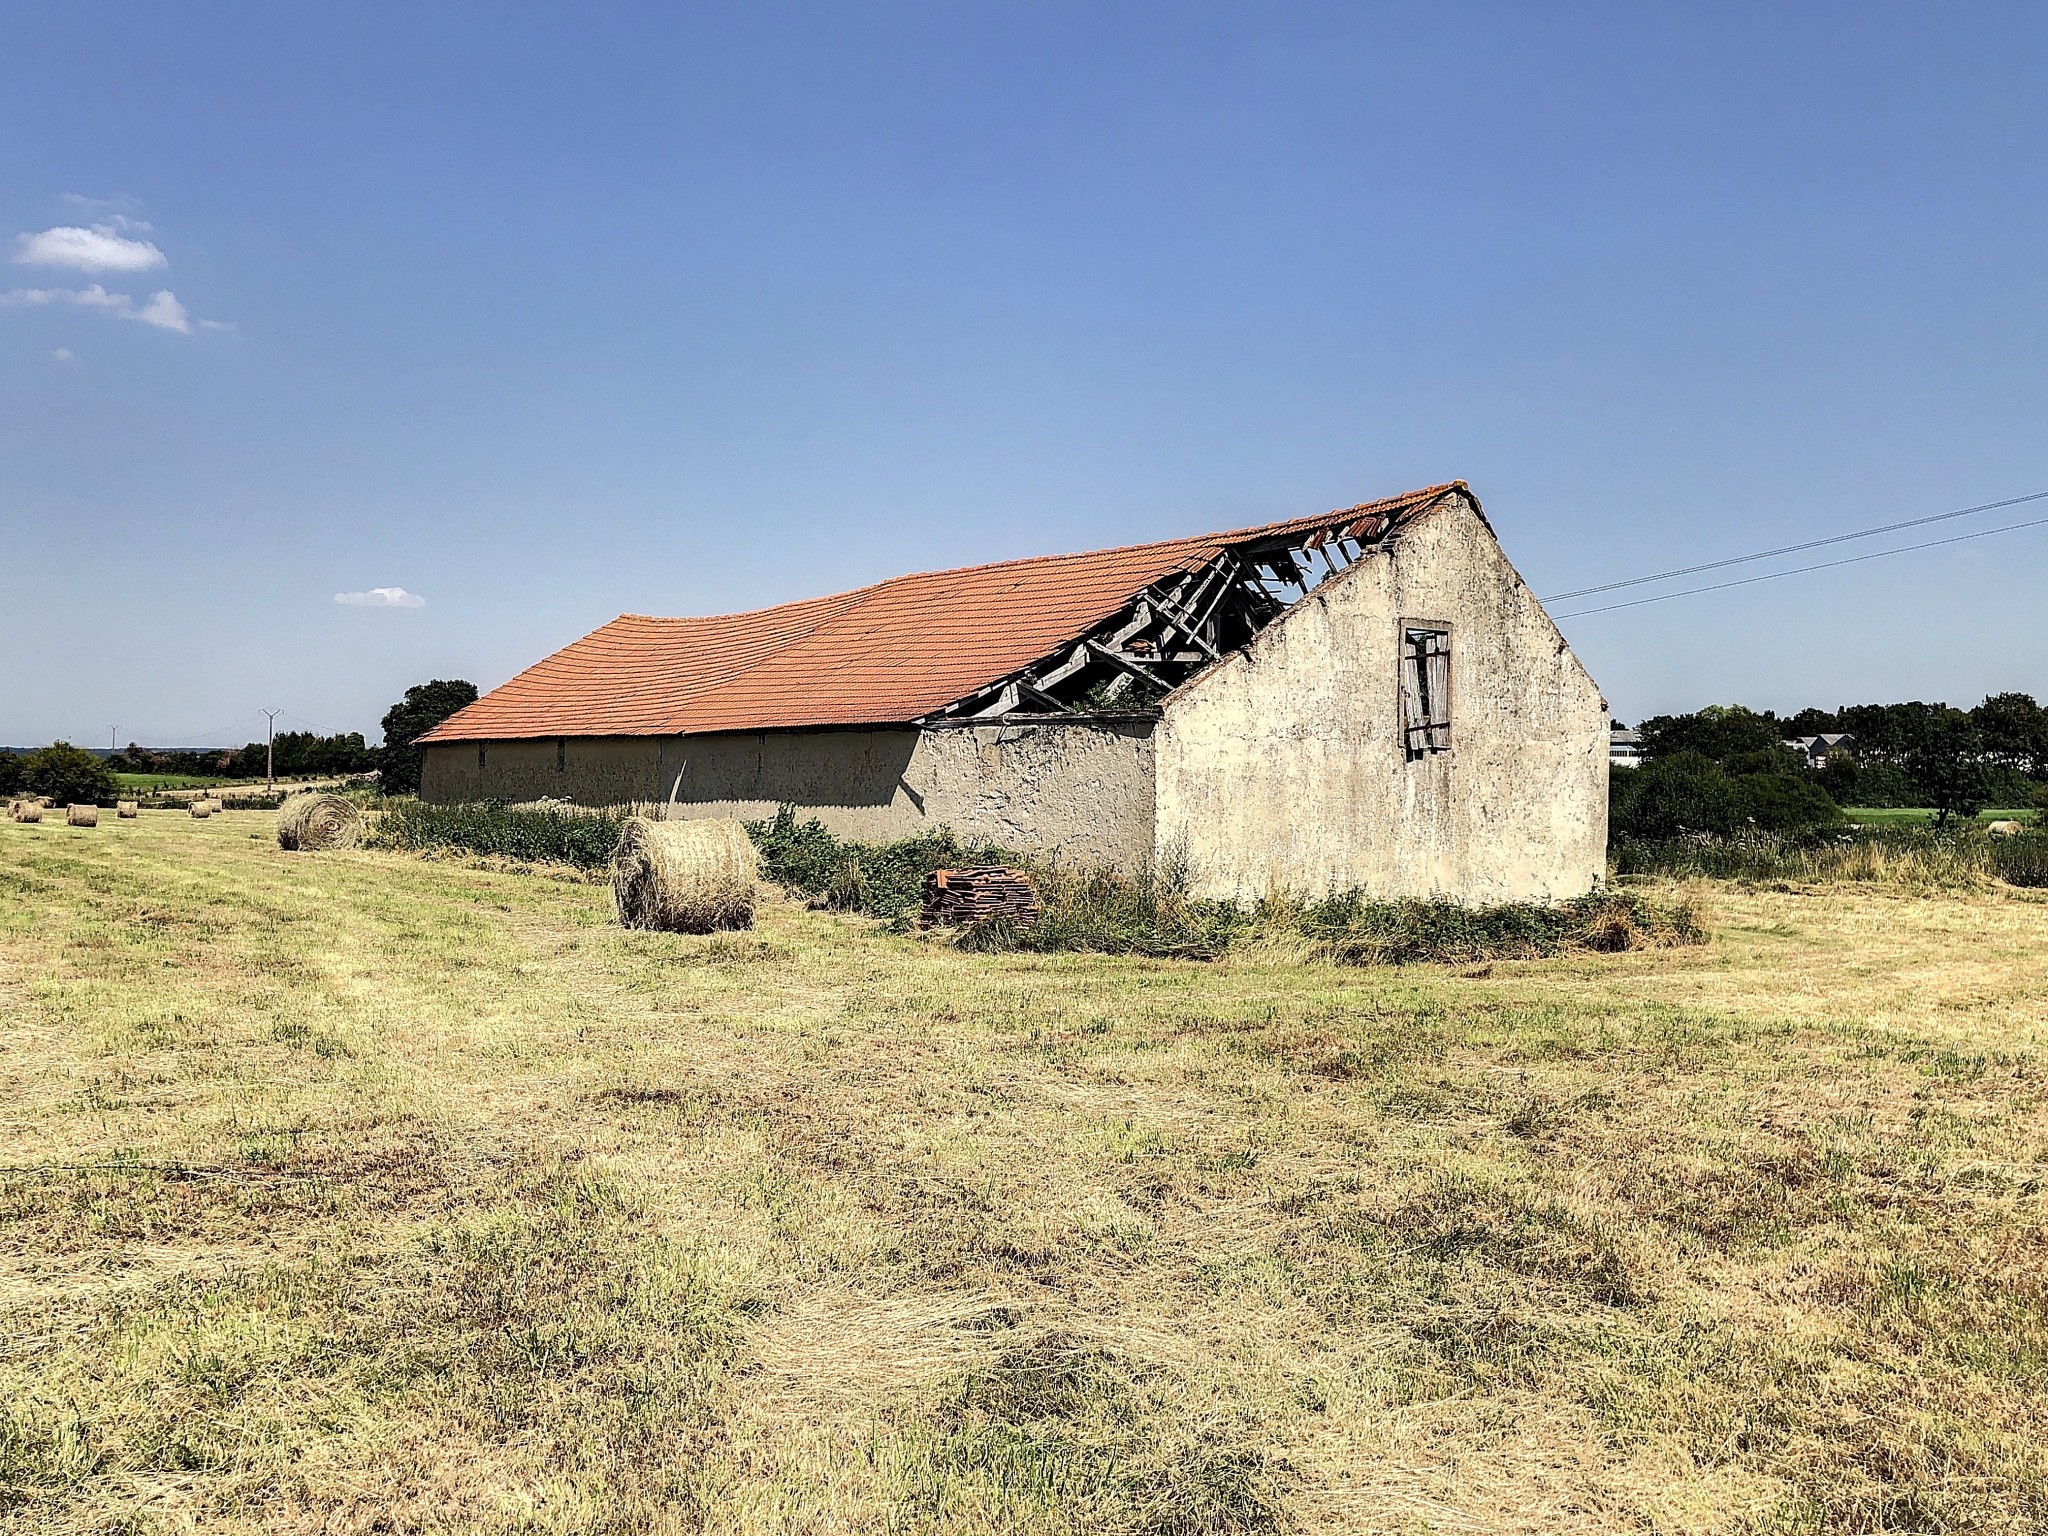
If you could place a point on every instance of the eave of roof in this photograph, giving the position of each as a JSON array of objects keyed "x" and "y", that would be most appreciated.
[{"x": 879, "y": 655}]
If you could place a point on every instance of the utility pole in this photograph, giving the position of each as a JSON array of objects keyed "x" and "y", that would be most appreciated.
[{"x": 270, "y": 750}]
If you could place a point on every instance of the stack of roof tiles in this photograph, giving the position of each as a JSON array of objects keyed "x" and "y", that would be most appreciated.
[
  {"x": 882, "y": 655},
  {"x": 962, "y": 896}
]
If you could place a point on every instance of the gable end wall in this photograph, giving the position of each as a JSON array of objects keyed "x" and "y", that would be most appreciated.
[{"x": 1281, "y": 769}]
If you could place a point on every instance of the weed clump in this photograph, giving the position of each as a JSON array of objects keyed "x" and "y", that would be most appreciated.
[
  {"x": 879, "y": 879},
  {"x": 538, "y": 835},
  {"x": 1943, "y": 857}
]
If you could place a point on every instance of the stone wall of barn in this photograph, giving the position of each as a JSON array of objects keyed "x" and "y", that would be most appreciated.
[
  {"x": 1079, "y": 790},
  {"x": 1283, "y": 768},
  {"x": 591, "y": 770}
]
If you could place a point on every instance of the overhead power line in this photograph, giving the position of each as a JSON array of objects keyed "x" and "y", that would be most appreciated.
[
  {"x": 1793, "y": 549},
  {"x": 1800, "y": 570}
]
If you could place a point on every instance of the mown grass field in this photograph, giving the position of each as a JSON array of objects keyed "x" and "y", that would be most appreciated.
[
  {"x": 352, "y": 1192},
  {"x": 1909, "y": 816}
]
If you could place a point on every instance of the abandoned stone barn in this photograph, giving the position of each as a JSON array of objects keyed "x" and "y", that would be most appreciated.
[{"x": 1367, "y": 699}]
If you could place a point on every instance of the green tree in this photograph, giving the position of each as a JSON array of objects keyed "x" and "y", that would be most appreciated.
[
  {"x": 1947, "y": 766},
  {"x": 1842, "y": 777},
  {"x": 1811, "y": 722},
  {"x": 1720, "y": 732},
  {"x": 68, "y": 775},
  {"x": 2015, "y": 732},
  {"x": 11, "y": 779},
  {"x": 423, "y": 707}
]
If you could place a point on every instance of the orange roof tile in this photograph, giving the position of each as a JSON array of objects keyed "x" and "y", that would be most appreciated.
[{"x": 880, "y": 655}]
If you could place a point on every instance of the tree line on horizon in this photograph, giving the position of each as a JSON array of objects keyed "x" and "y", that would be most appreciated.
[
  {"x": 73, "y": 775},
  {"x": 1726, "y": 767}
]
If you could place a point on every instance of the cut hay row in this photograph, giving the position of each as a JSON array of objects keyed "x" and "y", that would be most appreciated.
[
  {"x": 82, "y": 816},
  {"x": 309, "y": 822},
  {"x": 684, "y": 876}
]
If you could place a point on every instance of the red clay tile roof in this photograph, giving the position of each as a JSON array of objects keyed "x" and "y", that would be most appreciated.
[{"x": 881, "y": 655}]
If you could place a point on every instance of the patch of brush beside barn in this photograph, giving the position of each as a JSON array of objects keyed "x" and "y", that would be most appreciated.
[{"x": 1098, "y": 911}]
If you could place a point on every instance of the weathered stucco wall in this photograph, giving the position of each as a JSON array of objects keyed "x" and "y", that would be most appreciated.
[
  {"x": 1081, "y": 790},
  {"x": 591, "y": 770},
  {"x": 1282, "y": 767}
]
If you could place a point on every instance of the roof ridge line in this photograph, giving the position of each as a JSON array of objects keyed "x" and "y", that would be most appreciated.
[{"x": 1424, "y": 495}]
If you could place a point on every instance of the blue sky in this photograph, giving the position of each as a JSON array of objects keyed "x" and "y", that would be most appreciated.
[{"x": 543, "y": 314}]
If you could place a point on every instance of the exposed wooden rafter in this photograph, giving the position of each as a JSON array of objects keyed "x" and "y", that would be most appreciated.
[{"x": 1177, "y": 626}]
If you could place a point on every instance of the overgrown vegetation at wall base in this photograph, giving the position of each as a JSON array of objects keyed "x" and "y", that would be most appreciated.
[
  {"x": 880, "y": 879},
  {"x": 1089, "y": 911},
  {"x": 536, "y": 835},
  {"x": 1955, "y": 855},
  {"x": 1104, "y": 913}
]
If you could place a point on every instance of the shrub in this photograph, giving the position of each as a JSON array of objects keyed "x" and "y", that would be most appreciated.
[
  {"x": 68, "y": 775},
  {"x": 543, "y": 835},
  {"x": 1690, "y": 793},
  {"x": 881, "y": 879},
  {"x": 1108, "y": 914},
  {"x": 1355, "y": 931},
  {"x": 1102, "y": 912},
  {"x": 2021, "y": 860}
]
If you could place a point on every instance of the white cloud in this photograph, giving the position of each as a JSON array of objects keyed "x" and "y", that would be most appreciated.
[
  {"x": 63, "y": 355},
  {"x": 94, "y": 297},
  {"x": 163, "y": 309},
  {"x": 381, "y": 597},
  {"x": 101, "y": 248},
  {"x": 116, "y": 211}
]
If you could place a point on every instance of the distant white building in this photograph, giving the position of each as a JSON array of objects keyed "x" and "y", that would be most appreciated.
[
  {"x": 1624, "y": 748},
  {"x": 1816, "y": 750}
]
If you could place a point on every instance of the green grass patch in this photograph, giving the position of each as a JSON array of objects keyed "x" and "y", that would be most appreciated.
[{"x": 1920, "y": 816}]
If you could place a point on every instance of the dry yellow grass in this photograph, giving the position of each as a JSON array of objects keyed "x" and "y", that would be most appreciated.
[{"x": 373, "y": 1194}]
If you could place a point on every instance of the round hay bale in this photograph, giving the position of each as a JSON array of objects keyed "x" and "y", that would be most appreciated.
[
  {"x": 201, "y": 809},
  {"x": 125, "y": 809},
  {"x": 2005, "y": 829},
  {"x": 309, "y": 822},
  {"x": 26, "y": 810},
  {"x": 82, "y": 816},
  {"x": 684, "y": 876}
]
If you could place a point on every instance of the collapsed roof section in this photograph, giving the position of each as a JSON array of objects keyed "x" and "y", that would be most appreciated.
[
  {"x": 1110, "y": 631},
  {"x": 1189, "y": 619}
]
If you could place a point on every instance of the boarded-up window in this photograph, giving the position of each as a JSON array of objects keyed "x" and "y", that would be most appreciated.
[{"x": 1425, "y": 690}]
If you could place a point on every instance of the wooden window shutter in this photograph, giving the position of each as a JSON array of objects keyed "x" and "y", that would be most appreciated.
[
  {"x": 1436, "y": 679},
  {"x": 1425, "y": 690}
]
